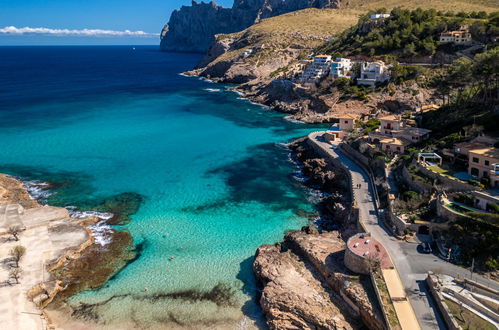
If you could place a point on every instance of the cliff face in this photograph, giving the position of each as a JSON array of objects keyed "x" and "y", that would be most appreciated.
[{"x": 192, "y": 28}]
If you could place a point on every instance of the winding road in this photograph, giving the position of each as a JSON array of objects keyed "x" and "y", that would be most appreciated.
[{"x": 411, "y": 265}]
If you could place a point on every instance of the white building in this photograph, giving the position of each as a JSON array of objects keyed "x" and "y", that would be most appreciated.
[
  {"x": 378, "y": 16},
  {"x": 373, "y": 72},
  {"x": 459, "y": 37},
  {"x": 318, "y": 69},
  {"x": 341, "y": 68}
]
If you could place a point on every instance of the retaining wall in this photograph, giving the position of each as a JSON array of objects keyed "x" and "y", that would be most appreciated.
[
  {"x": 416, "y": 185},
  {"x": 448, "y": 184},
  {"x": 432, "y": 282}
]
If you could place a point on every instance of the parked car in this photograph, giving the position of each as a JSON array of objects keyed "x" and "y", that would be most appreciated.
[{"x": 427, "y": 247}]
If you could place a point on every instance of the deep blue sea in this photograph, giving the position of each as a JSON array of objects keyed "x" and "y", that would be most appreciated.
[{"x": 211, "y": 166}]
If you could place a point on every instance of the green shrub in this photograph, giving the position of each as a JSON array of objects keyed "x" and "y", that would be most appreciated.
[
  {"x": 410, "y": 195},
  {"x": 493, "y": 207},
  {"x": 464, "y": 198},
  {"x": 490, "y": 218}
]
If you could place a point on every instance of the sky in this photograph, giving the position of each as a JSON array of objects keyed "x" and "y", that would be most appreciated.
[{"x": 47, "y": 22}]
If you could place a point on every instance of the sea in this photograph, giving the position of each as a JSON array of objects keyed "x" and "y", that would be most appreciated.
[{"x": 213, "y": 169}]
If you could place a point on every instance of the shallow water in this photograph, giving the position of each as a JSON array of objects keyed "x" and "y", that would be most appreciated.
[{"x": 214, "y": 175}]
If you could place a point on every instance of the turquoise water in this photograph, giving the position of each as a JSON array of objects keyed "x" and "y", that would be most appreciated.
[{"x": 210, "y": 166}]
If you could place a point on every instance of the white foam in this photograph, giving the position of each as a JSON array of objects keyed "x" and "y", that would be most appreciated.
[
  {"x": 37, "y": 190},
  {"x": 206, "y": 79},
  {"x": 212, "y": 89},
  {"x": 101, "y": 232},
  {"x": 293, "y": 120},
  {"x": 86, "y": 214}
]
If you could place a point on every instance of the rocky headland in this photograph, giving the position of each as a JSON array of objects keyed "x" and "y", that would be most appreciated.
[{"x": 193, "y": 28}]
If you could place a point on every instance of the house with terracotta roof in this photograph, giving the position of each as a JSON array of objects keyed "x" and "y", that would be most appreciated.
[
  {"x": 346, "y": 124},
  {"x": 484, "y": 163},
  {"x": 394, "y": 145},
  {"x": 390, "y": 123}
]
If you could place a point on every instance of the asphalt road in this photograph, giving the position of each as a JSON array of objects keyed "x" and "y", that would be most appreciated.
[{"x": 410, "y": 263}]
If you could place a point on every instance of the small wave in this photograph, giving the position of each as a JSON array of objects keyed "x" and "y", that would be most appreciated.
[
  {"x": 101, "y": 233},
  {"x": 293, "y": 120},
  {"x": 212, "y": 89},
  {"x": 37, "y": 190},
  {"x": 184, "y": 75},
  {"x": 86, "y": 214},
  {"x": 206, "y": 79}
]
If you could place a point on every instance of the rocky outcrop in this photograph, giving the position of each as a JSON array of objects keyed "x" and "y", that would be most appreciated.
[
  {"x": 306, "y": 285},
  {"x": 293, "y": 296},
  {"x": 193, "y": 28}
]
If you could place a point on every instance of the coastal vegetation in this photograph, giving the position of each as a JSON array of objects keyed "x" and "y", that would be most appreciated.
[{"x": 406, "y": 33}]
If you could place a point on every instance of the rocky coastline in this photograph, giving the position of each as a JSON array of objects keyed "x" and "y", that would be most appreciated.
[
  {"x": 85, "y": 251},
  {"x": 303, "y": 278}
]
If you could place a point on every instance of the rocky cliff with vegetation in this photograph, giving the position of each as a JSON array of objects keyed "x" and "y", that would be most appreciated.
[
  {"x": 193, "y": 28},
  {"x": 263, "y": 58}
]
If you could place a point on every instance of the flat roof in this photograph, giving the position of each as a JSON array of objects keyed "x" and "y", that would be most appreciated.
[
  {"x": 489, "y": 152},
  {"x": 416, "y": 130}
]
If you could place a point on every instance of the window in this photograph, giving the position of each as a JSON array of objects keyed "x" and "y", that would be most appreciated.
[
  {"x": 387, "y": 147},
  {"x": 398, "y": 148},
  {"x": 487, "y": 163},
  {"x": 476, "y": 160},
  {"x": 474, "y": 171},
  {"x": 346, "y": 121},
  {"x": 485, "y": 174}
]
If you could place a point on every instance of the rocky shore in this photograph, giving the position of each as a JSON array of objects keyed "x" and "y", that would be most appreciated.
[
  {"x": 64, "y": 255},
  {"x": 304, "y": 281}
]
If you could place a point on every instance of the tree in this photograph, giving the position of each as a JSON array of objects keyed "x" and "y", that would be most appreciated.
[
  {"x": 14, "y": 232},
  {"x": 17, "y": 253},
  {"x": 15, "y": 274}
]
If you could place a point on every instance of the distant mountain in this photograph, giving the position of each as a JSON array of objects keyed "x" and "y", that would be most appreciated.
[{"x": 192, "y": 28}]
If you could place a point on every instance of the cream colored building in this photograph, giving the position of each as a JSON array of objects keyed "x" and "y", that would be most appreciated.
[
  {"x": 484, "y": 163},
  {"x": 390, "y": 123},
  {"x": 461, "y": 36},
  {"x": 345, "y": 124}
]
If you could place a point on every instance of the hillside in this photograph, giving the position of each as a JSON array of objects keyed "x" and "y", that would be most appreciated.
[
  {"x": 444, "y": 5},
  {"x": 272, "y": 44},
  {"x": 192, "y": 28},
  {"x": 273, "y": 48}
]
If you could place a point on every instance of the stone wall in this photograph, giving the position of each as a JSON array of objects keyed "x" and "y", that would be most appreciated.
[
  {"x": 432, "y": 282},
  {"x": 448, "y": 184},
  {"x": 353, "y": 261},
  {"x": 416, "y": 185}
]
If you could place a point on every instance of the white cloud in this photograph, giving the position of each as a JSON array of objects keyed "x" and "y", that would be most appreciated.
[{"x": 12, "y": 30}]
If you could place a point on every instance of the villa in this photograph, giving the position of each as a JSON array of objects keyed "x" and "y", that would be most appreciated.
[
  {"x": 483, "y": 199},
  {"x": 390, "y": 123},
  {"x": 317, "y": 69},
  {"x": 394, "y": 145},
  {"x": 341, "y": 68},
  {"x": 484, "y": 163},
  {"x": 373, "y": 72},
  {"x": 459, "y": 37},
  {"x": 346, "y": 124}
]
